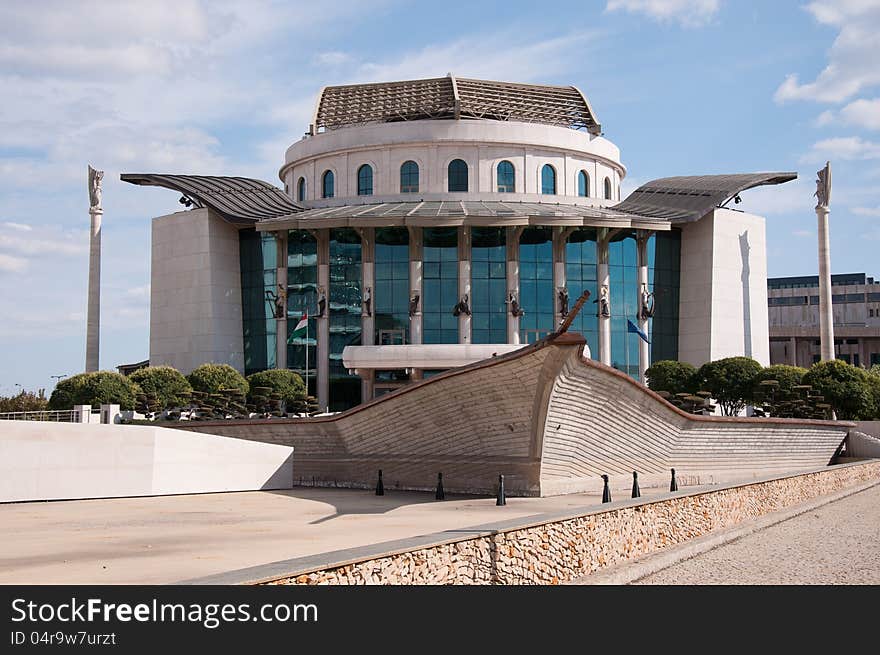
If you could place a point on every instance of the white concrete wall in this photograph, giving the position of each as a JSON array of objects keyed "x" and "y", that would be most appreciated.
[
  {"x": 195, "y": 296},
  {"x": 55, "y": 461},
  {"x": 724, "y": 270}
]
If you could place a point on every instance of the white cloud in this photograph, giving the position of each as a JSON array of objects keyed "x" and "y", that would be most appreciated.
[
  {"x": 863, "y": 113},
  {"x": 852, "y": 64},
  {"x": 873, "y": 212},
  {"x": 848, "y": 147},
  {"x": 12, "y": 264},
  {"x": 18, "y": 226},
  {"x": 825, "y": 118},
  {"x": 688, "y": 13},
  {"x": 790, "y": 198}
]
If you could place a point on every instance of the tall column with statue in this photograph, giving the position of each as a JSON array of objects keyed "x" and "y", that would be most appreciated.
[
  {"x": 826, "y": 313},
  {"x": 93, "y": 317}
]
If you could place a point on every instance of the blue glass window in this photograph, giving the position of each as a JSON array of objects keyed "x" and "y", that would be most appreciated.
[
  {"x": 258, "y": 271},
  {"x": 440, "y": 285},
  {"x": 391, "y": 294},
  {"x": 607, "y": 189},
  {"x": 327, "y": 184},
  {"x": 548, "y": 180},
  {"x": 458, "y": 175},
  {"x": 506, "y": 177},
  {"x": 580, "y": 275},
  {"x": 536, "y": 292},
  {"x": 365, "y": 180},
  {"x": 344, "y": 309},
  {"x": 302, "y": 298},
  {"x": 583, "y": 184},
  {"x": 409, "y": 177},
  {"x": 301, "y": 189},
  {"x": 488, "y": 285}
]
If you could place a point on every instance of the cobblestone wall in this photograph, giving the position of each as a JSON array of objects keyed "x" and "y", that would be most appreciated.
[{"x": 553, "y": 552}]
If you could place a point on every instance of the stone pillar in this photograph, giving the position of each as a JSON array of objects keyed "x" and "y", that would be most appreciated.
[
  {"x": 281, "y": 287},
  {"x": 93, "y": 319},
  {"x": 826, "y": 316},
  {"x": 512, "y": 235},
  {"x": 792, "y": 344},
  {"x": 368, "y": 318},
  {"x": 602, "y": 240},
  {"x": 642, "y": 237},
  {"x": 322, "y": 366},
  {"x": 560, "y": 237},
  {"x": 464, "y": 281},
  {"x": 415, "y": 282}
]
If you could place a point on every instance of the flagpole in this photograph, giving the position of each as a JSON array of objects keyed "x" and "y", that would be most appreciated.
[
  {"x": 626, "y": 342},
  {"x": 307, "y": 352}
]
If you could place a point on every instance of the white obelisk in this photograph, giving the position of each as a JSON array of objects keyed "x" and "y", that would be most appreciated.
[
  {"x": 93, "y": 318},
  {"x": 826, "y": 314}
]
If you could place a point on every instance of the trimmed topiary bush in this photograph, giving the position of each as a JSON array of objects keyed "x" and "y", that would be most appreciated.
[
  {"x": 68, "y": 392},
  {"x": 787, "y": 376},
  {"x": 213, "y": 378},
  {"x": 166, "y": 384},
  {"x": 671, "y": 376},
  {"x": 104, "y": 387},
  {"x": 729, "y": 380},
  {"x": 287, "y": 384},
  {"x": 846, "y": 388}
]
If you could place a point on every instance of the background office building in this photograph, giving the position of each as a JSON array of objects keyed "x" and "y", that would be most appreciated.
[
  {"x": 432, "y": 223},
  {"x": 793, "y": 304}
]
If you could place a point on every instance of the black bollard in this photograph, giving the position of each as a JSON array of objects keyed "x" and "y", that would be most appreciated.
[
  {"x": 606, "y": 492},
  {"x": 636, "y": 492},
  {"x": 380, "y": 488},
  {"x": 501, "y": 498},
  {"x": 440, "y": 495},
  {"x": 673, "y": 486}
]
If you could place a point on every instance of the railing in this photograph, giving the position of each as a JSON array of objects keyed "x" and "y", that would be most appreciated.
[{"x": 56, "y": 415}]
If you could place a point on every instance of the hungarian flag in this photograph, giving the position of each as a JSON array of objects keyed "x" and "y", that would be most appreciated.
[{"x": 301, "y": 328}]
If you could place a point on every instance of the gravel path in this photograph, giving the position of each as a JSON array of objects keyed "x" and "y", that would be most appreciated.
[{"x": 838, "y": 543}]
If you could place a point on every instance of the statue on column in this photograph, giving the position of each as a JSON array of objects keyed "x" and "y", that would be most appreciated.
[
  {"x": 515, "y": 309},
  {"x": 95, "y": 178},
  {"x": 823, "y": 186},
  {"x": 322, "y": 302},
  {"x": 367, "y": 302},
  {"x": 562, "y": 295},
  {"x": 414, "y": 303},
  {"x": 278, "y": 301},
  {"x": 604, "y": 302},
  {"x": 646, "y": 304},
  {"x": 462, "y": 307}
]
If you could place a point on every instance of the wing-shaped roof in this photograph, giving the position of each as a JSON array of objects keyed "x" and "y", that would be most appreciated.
[
  {"x": 453, "y": 98},
  {"x": 239, "y": 200},
  {"x": 689, "y": 198}
]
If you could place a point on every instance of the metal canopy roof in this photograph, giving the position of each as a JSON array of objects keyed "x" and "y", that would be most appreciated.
[
  {"x": 460, "y": 212},
  {"x": 453, "y": 98},
  {"x": 687, "y": 199},
  {"x": 239, "y": 200}
]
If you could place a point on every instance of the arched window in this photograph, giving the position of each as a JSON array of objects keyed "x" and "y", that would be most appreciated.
[
  {"x": 548, "y": 180},
  {"x": 301, "y": 189},
  {"x": 506, "y": 177},
  {"x": 458, "y": 175},
  {"x": 583, "y": 184},
  {"x": 365, "y": 180},
  {"x": 607, "y": 189},
  {"x": 409, "y": 177},
  {"x": 327, "y": 184}
]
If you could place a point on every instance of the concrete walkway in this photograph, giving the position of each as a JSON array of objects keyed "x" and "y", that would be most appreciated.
[{"x": 167, "y": 539}]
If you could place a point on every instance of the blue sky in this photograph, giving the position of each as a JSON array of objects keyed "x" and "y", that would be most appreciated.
[{"x": 224, "y": 86}]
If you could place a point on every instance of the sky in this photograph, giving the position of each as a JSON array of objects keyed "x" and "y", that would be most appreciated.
[{"x": 223, "y": 87}]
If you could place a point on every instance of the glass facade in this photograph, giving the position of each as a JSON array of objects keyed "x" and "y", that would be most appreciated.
[
  {"x": 440, "y": 285},
  {"x": 344, "y": 301},
  {"x": 536, "y": 292},
  {"x": 583, "y": 184},
  {"x": 391, "y": 294},
  {"x": 458, "y": 175},
  {"x": 506, "y": 177},
  {"x": 365, "y": 180},
  {"x": 664, "y": 279},
  {"x": 302, "y": 298},
  {"x": 548, "y": 180},
  {"x": 488, "y": 285},
  {"x": 409, "y": 177},
  {"x": 580, "y": 275},
  {"x": 623, "y": 274},
  {"x": 327, "y": 184},
  {"x": 257, "y": 259}
]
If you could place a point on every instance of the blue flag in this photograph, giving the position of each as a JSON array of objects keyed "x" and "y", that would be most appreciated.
[{"x": 632, "y": 327}]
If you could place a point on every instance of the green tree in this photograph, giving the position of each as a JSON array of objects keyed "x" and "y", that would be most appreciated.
[
  {"x": 846, "y": 388},
  {"x": 25, "y": 401},
  {"x": 671, "y": 376},
  {"x": 212, "y": 378},
  {"x": 287, "y": 384},
  {"x": 165, "y": 384},
  {"x": 874, "y": 387},
  {"x": 730, "y": 382},
  {"x": 106, "y": 387},
  {"x": 68, "y": 391}
]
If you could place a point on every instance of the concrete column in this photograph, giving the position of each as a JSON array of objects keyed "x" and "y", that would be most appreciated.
[
  {"x": 826, "y": 317},
  {"x": 367, "y": 384},
  {"x": 464, "y": 281},
  {"x": 415, "y": 282},
  {"x": 512, "y": 235},
  {"x": 602, "y": 276},
  {"x": 281, "y": 279},
  {"x": 642, "y": 237},
  {"x": 93, "y": 319},
  {"x": 322, "y": 366},
  {"x": 368, "y": 319},
  {"x": 560, "y": 237},
  {"x": 792, "y": 344}
]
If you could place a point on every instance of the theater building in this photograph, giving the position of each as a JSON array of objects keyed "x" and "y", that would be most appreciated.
[{"x": 429, "y": 224}]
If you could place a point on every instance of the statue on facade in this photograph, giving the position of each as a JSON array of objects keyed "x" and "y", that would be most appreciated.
[
  {"x": 95, "y": 178},
  {"x": 562, "y": 295},
  {"x": 462, "y": 307},
  {"x": 515, "y": 309},
  {"x": 367, "y": 302},
  {"x": 646, "y": 304},
  {"x": 603, "y": 302},
  {"x": 823, "y": 186},
  {"x": 322, "y": 302},
  {"x": 277, "y": 301},
  {"x": 414, "y": 303}
]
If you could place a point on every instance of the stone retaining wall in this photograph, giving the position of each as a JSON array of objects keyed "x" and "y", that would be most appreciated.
[{"x": 562, "y": 548}]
